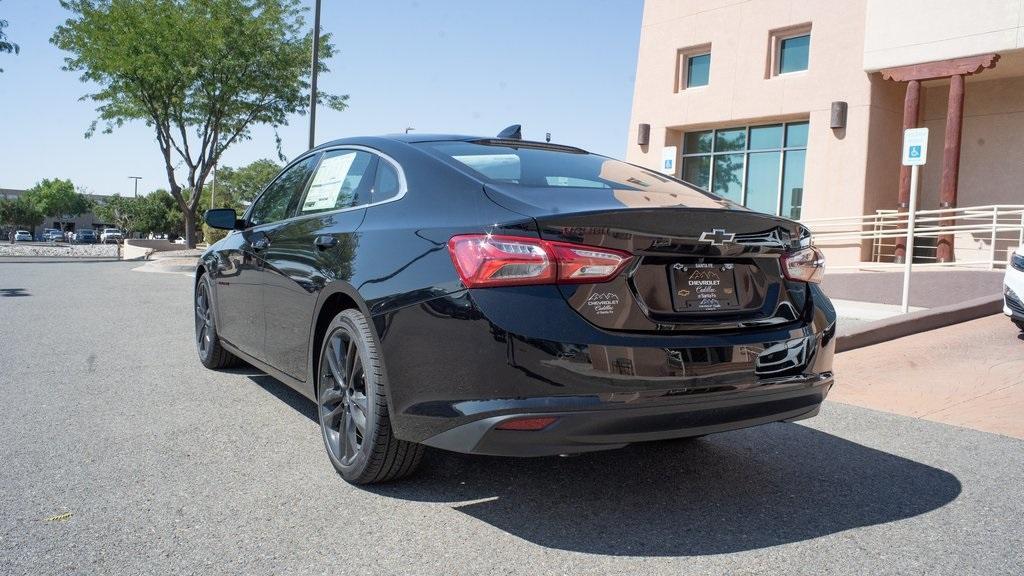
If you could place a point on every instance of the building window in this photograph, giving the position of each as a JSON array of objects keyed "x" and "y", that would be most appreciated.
[
  {"x": 760, "y": 167},
  {"x": 698, "y": 69},
  {"x": 693, "y": 67},
  {"x": 788, "y": 50}
]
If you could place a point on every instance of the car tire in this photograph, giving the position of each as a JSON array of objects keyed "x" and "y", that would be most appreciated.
[
  {"x": 1019, "y": 323},
  {"x": 353, "y": 409},
  {"x": 211, "y": 353}
]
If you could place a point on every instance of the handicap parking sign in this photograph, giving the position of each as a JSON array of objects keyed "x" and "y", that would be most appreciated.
[{"x": 914, "y": 152}]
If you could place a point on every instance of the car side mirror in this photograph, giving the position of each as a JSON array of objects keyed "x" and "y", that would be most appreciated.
[{"x": 223, "y": 218}]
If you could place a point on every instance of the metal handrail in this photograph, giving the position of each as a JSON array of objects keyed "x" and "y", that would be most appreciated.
[{"x": 999, "y": 224}]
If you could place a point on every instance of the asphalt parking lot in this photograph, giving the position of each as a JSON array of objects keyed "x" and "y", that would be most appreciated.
[{"x": 165, "y": 467}]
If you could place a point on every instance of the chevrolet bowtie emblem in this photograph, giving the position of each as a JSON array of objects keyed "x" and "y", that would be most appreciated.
[{"x": 716, "y": 237}]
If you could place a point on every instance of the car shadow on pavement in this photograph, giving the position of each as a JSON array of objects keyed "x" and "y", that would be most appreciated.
[
  {"x": 13, "y": 292},
  {"x": 281, "y": 391},
  {"x": 729, "y": 492}
]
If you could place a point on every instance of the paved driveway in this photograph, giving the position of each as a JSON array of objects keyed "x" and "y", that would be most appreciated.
[{"x": 169, "y": 468}]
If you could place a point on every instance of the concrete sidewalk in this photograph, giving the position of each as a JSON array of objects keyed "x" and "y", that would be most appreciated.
[
  {"x": 928, "y": 288},
  {"x": 969, "y": 374}
]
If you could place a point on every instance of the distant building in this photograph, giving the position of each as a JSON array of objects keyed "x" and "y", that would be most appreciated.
[
  {"x": 797, "y": 107},
  {"x": 86, "y": 220}
]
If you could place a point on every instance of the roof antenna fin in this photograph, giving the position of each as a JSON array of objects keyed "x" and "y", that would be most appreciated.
[{"x": 513, "y": 132}]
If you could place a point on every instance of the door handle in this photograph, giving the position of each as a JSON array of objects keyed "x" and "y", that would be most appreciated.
[
  {"x": 324, "y": 242},
  {"x": 261, "y": 242}
]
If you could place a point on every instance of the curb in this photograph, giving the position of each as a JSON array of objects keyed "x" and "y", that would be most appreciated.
[{"x": 922, "y": 321}]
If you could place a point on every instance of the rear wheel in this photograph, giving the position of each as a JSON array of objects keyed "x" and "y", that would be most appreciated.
[
  {"x": 1019, "y": 323},
  {"x": 211, "y": 353},
  {"x": 353, "y": 409}
]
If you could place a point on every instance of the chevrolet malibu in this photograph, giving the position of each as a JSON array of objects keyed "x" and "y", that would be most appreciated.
[{"x": 506, "y": 297}]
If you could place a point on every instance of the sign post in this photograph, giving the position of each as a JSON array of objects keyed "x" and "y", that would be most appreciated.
[{"x": 915, "y": 154}]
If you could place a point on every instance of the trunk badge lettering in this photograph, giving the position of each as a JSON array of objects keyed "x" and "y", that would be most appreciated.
[
  {"x": 717, "y": 237},
  {"x": 603, "y": 302}
]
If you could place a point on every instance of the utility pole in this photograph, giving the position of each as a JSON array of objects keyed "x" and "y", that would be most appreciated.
[
  {"x": 409, "y": 129},
  {"x": 315, "y": 65},
  {"x": 136, "y": 178}
]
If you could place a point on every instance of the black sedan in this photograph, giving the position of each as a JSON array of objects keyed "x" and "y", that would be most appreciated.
[{"x": 506, "y": 297}]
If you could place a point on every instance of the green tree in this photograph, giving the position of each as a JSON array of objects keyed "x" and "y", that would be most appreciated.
[
  {"x": 124, "y": 212},
  {"x": 6, "y": 45},
  {"x": 201, "y": 73},
  {"x": 58, "y": 198},
  {"x": 19, "y": 211},
  {"x": 236, "y": 187}
]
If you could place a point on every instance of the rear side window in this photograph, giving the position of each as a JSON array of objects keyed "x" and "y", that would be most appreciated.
[
  {"x": 386, "y": 185},
  {"x": 279, "y": 199},
  {"x": 340, "y": 181}
]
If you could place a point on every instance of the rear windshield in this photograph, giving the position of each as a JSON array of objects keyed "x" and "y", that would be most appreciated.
[{"x": 554, "y": 168}]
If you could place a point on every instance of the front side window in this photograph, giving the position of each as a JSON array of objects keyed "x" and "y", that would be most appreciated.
[
  {"x": 339, "y": 181},
  {"x": 761, "y": 167},
  {"x": 279, "y": 199}
]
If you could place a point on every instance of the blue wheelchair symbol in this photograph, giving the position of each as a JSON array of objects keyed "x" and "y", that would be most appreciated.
[{"x": 915, "y": 152}]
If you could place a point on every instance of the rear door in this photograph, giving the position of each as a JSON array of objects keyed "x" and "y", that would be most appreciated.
[{"x": 311, "y": 249}]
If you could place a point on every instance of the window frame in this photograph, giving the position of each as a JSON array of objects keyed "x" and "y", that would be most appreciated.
[
  {"x": 773, "y": 66},
  {"x": 746, "y": 151},
  {"x": 683, "y": 56},
  {"x": 295, "y": 216}
]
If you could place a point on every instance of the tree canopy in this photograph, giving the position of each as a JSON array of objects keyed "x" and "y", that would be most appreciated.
[
  {"x": 151, "y": 213},
  {"x": 19, "y": 211},
  {"x": 6, "y": 45},
  {"x": 57, "y": 198},
  {"x": 236, "y": 187},
  {"x": 201, "y": 73}
]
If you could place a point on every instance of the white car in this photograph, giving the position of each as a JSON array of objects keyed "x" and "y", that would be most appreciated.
[
  {"x": 111, "y": 235},
  {"x": 22, "y": 236},
  {"x": 1013, "y": 288}
]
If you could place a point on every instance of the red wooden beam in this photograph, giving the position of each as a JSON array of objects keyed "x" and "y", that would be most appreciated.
[{"x": 942, "y": 68}]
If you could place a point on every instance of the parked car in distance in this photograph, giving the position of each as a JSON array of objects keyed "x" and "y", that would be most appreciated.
[
  {"x": 85, "y": 236},
  {"x": 504, "y": 297},
  {"x": 52, "y": 235},
  {"x": 22, "y": 236},
  {"x": 1013, "y": 288},
  {"x": 111, "y": 235}
]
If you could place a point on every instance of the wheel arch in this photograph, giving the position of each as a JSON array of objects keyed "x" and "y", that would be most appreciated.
[{"x": 333, "y": 299}]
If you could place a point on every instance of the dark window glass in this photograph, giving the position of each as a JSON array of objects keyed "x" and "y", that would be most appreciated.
[
  {"x": 386, "y": 186},
  {"x": 793, "y": 183},
  {"x": 766, "y": 137},
  {"x": 278, "y": 201},
  {"x": 796, "y": 135},
  {"x": 793, "y": 54},
  {"x": 697, "y": 171},
  {"x": 698, "y": 70},
  {"x": 728, "y": 178},
  {"x": 763, "y": 181},
  {"x": 553, "y": 168},
  {"x": 695, "y": 142},
  {"x": 338, "y": 180},
  {"x": 730, "y": 140}
]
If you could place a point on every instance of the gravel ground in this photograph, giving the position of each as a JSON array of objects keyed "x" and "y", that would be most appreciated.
[
  {"x": 167, "y": 468},
  {"x": 60, "y": 249}
]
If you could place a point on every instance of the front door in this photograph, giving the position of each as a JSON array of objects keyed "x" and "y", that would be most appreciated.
[
  {"x": 241, "y": 316},
  {"x": 311, "y": 250}
]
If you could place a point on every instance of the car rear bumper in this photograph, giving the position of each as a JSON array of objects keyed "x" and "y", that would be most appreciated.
[{"x": 460, "y": 365}]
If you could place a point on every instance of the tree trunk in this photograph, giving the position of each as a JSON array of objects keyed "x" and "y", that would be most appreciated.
[{"x": 190, "y": 228}]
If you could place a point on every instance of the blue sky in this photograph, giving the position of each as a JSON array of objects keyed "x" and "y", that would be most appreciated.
[{"x": 559, "y": 66}]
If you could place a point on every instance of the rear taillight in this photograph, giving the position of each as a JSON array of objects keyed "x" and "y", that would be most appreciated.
[
  {"x": 484, "y": 260},
  {"x": 805, "y": 265}
]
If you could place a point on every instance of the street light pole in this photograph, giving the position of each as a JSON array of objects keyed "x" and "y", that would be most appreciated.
[
  {"x": 136, "y": 178},
  {"x": 314, "y": 67}
]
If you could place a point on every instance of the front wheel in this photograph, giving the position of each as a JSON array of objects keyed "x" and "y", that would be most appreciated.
[
  {"x": 211, "y": 353},
  {"x": 1019, "y": 323},
  {"x": 353, "y": 408}
]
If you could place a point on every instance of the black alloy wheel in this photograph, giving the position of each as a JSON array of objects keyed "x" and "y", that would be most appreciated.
[
  {"x": 211, "y": 353},
  {"x": 352, "y": 405}
]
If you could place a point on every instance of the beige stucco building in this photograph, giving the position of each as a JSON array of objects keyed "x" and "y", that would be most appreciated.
[{"x": 746, "y": 93}]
